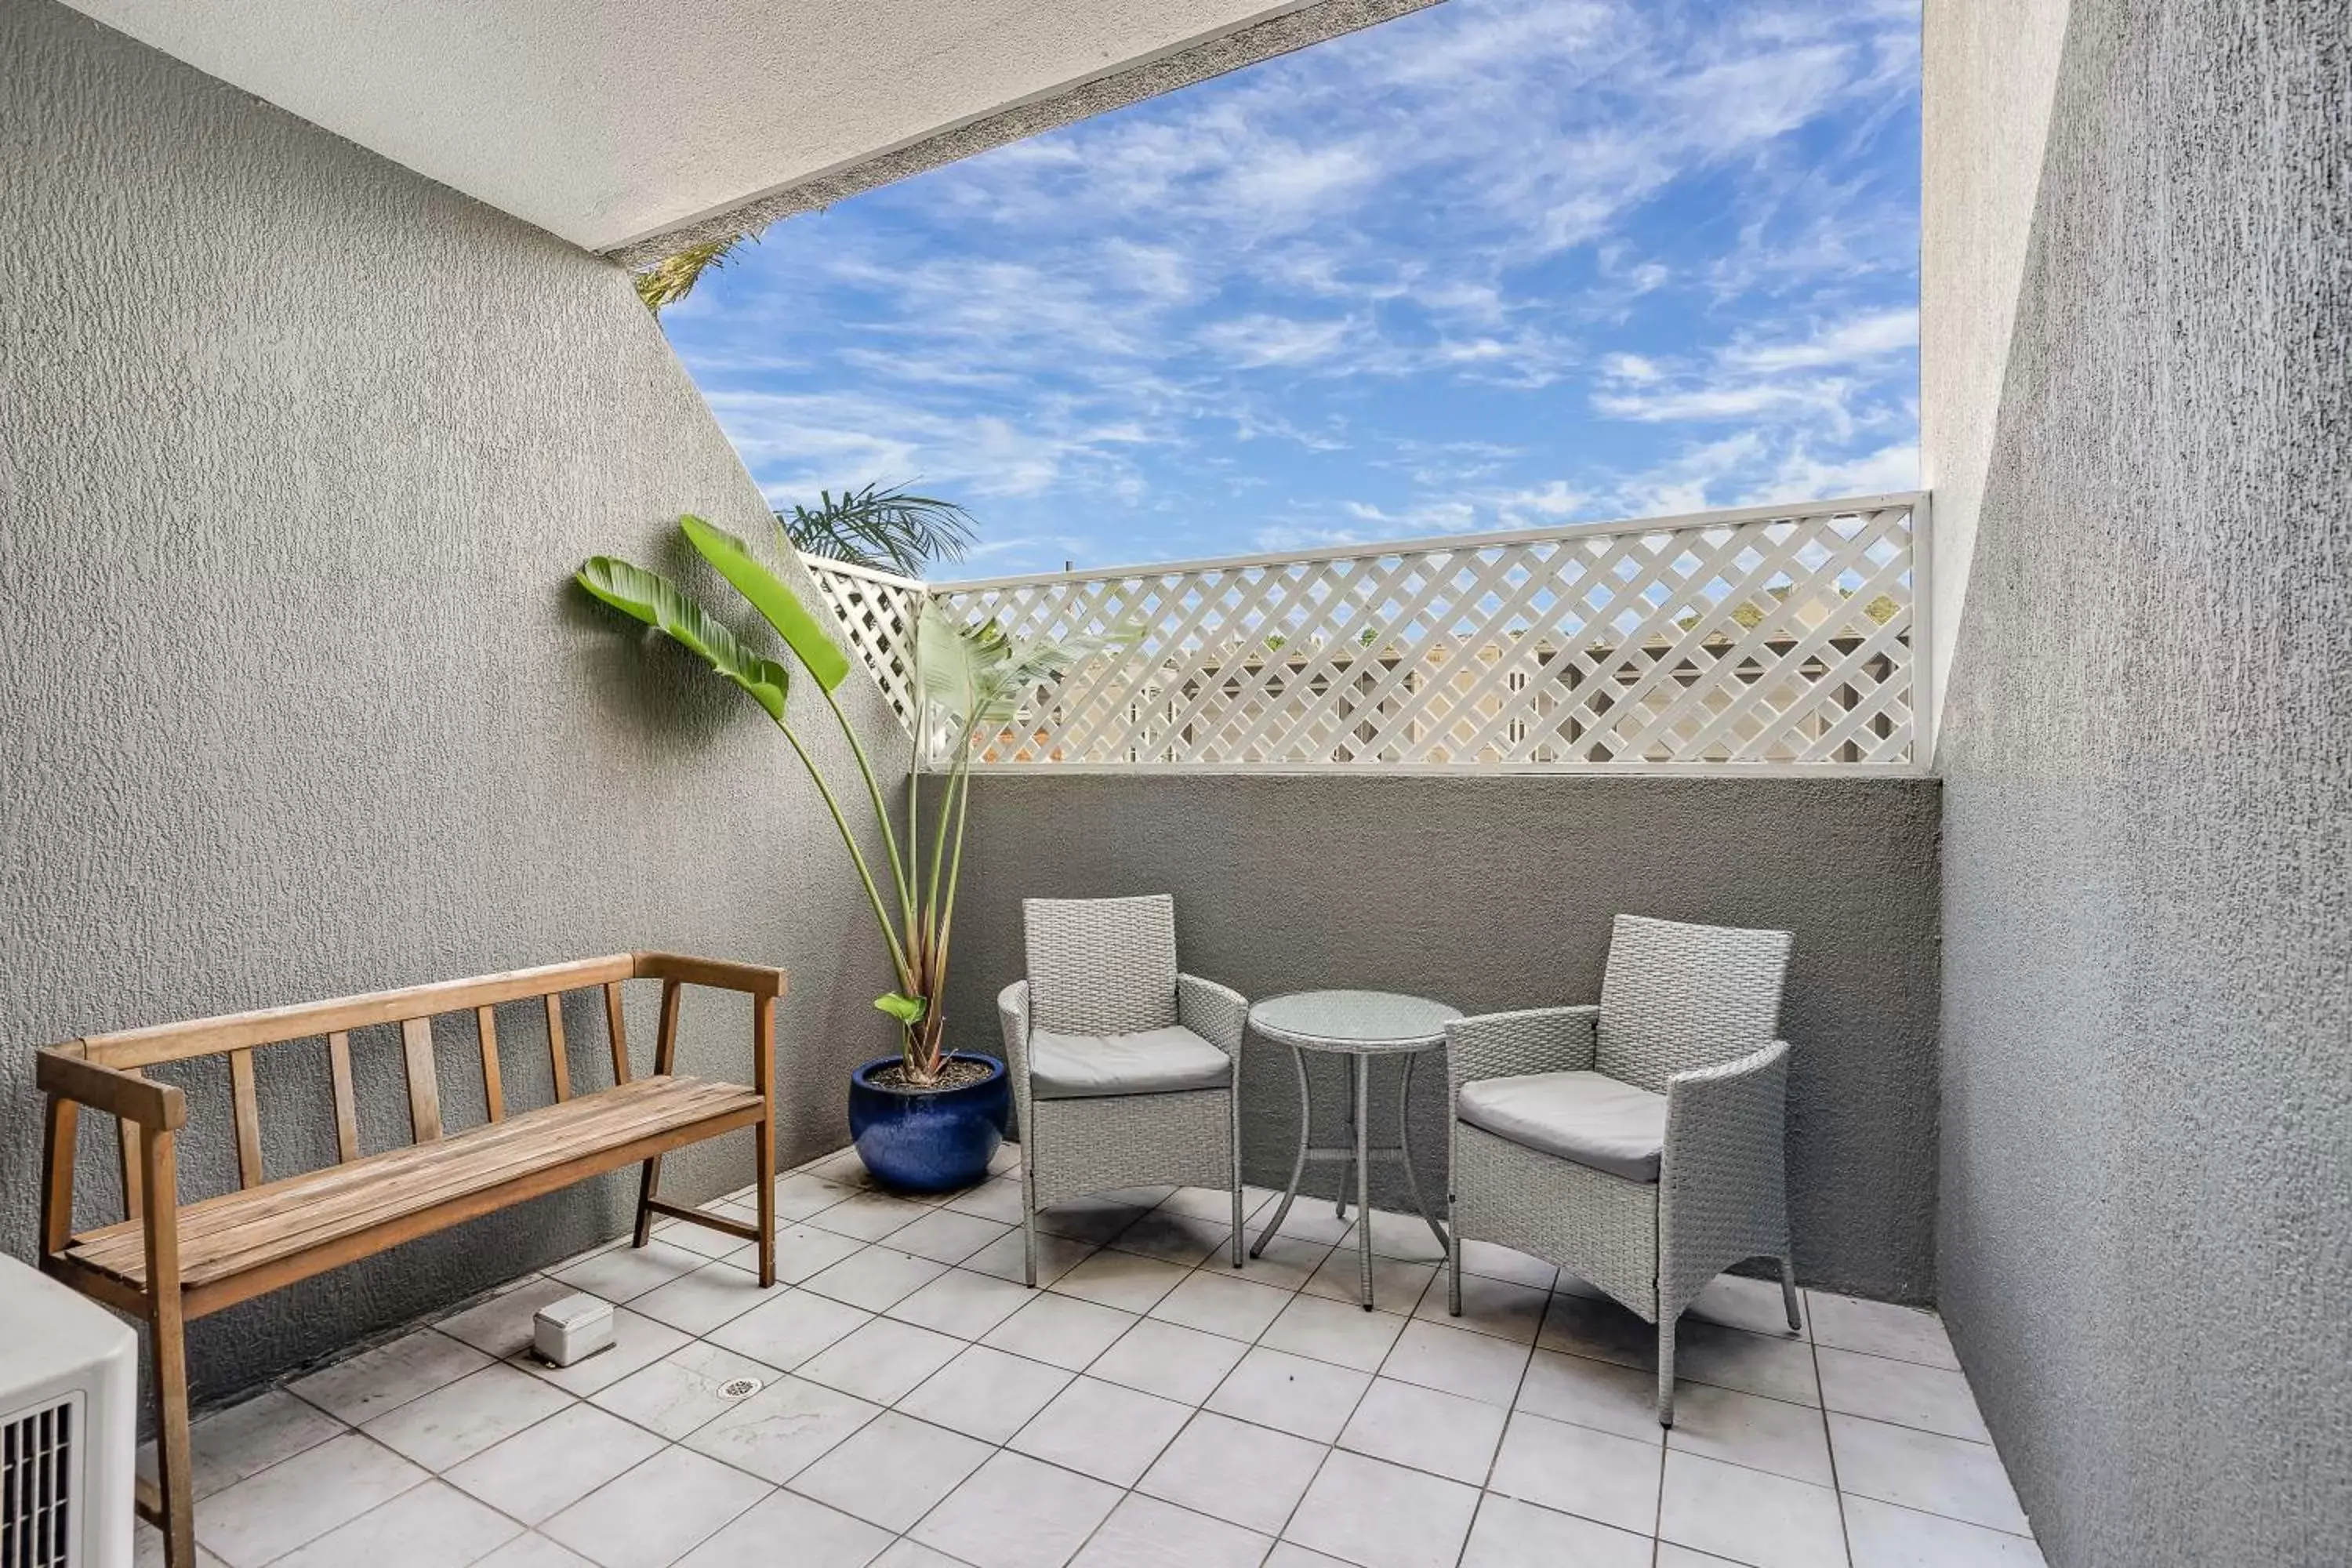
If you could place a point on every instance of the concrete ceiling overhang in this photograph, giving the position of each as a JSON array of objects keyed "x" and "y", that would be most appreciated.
[{"x": 635, "y": 127}]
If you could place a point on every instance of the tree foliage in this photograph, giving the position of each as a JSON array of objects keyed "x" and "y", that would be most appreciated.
[
  {"x": 891, "y": 530},
  {"x": 673, "y": 277}
]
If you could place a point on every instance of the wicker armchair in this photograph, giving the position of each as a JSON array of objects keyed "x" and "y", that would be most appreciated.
[
  {"x": 1124, "y": 1071},
  {"x": 1638, "y": 1143}
]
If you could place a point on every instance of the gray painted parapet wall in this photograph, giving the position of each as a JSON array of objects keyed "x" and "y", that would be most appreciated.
[
  {"x": 298, "y": 451},
  {"x": 2147, "y": 751},
  {"x": 1495, "y": 891}
]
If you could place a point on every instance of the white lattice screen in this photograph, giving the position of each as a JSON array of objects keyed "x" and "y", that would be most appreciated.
[
  {"x": 876, "y": 611},
  {"x": 1771, "y": 636}
]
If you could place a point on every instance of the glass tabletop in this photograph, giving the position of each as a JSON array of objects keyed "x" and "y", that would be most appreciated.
[{"x": 1362, "y": 1020}]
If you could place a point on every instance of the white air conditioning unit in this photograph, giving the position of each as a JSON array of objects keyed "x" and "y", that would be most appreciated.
[{"x": 69, "y": 1427}]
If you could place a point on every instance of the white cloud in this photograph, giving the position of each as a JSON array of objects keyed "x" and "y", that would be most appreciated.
[
  {"x": 1430, "y": 516},
  {"x": 798, "y": 442},
  {"x": 1753, "y": 469},
  {"x": 1288, "y": 186},
  {"x": 1894, "y": 467},
  {"x": 1871, "y": 335},
  {"x": 1554, "y": 500},
  {"x": 1705, "y": 403},
  {"x": 1254, "y": 342}
]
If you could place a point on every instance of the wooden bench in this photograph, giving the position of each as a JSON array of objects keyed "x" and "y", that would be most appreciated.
[{"x": 166, "y": 1262}]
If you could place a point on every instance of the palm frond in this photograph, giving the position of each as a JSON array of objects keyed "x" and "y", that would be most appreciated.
[
  {"x": 891, "y": 530},
  {"x": 673, "y": 277}
]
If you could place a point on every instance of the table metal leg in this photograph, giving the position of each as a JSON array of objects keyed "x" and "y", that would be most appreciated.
[
  {"x": 1355, "y": 1140},
  {"x": 1362, "y": 1084},
  {"x": 1297, "y": 1165},
  {"x": 1404, "y": 1143}
]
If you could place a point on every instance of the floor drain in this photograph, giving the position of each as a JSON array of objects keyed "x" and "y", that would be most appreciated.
[{"x": 738, "y": 1388}]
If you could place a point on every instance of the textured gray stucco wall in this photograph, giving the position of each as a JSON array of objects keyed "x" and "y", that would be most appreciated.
[
  {"x": 2147, "y": 754},
  {"x": 1497, "y": 891},
  {"x": 1988, "y": 71},
  {"x": 297, "y": 452}
]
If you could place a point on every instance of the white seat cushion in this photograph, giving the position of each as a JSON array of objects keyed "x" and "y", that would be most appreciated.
[
  {"x": 1587, "y": 1117},
  {"x": 1155, "y": 1061}
]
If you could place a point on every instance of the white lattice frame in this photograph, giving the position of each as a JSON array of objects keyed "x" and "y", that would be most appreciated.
[
  {"x": 877, "y": 612},
  {"x": 1459, "y": 618}
]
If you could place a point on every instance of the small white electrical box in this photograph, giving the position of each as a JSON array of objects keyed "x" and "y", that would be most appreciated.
[{"x": 572, "y": 1330}]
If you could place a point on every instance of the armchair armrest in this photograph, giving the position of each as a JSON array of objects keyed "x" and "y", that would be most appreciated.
[
  {"x": 1723, "y": 1181},
  {"x": 1509, "y": 1045},
  {"x": 1012, "y": 1018},
  {"x": 1742, "y": 1096},
  {"x": 1218, "y": 1014},
  {"x": 62, "y": 1072}
]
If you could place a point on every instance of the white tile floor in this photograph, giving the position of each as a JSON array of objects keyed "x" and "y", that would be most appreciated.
[{"x": 1151, "y": 1409}]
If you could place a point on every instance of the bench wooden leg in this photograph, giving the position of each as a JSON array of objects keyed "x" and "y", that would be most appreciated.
[
  {"x": 648, "y": 1188},
  {"x": 764, "y": 1134},
  {"x": 160, "y": 1172}
]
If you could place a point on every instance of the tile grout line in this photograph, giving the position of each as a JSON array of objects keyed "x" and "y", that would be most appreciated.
[
  {"x": 1510, "y": 1412},
  {"x": 1829, "y": 1444}
]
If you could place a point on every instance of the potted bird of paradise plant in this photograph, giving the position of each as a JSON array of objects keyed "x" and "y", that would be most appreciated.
[{"x": 929, "y": 1118}]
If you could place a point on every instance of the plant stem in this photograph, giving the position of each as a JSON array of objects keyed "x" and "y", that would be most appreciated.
[
  {"x": 858, "y": 857},
  {"x": 940, "y": 836},
  {"x": 955, "y": 803},
  {"x": 874, "y": 793},
  {"x": 915, "y": 815},
  {"x": 960, "y": 785}
]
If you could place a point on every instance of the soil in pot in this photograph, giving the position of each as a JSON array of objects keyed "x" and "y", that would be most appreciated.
[{"x": 954, "y": 1074}]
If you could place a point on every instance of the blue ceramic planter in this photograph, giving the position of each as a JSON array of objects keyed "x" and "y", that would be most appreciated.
[{"x": 933, "y": 1141}]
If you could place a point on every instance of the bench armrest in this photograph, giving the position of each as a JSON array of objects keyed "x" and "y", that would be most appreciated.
[
  {"x": 753, "y": 979},
  {"x": 62, "y": 1072}
]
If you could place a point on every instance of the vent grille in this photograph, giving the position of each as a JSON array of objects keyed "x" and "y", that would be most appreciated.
[{"x": 37, "y": 1474}]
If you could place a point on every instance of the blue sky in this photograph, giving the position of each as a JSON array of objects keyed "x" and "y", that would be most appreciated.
[{"x": 1497, "y": 264}]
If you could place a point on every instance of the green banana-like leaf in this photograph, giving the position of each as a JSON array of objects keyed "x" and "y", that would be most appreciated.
[
  {"x": 802, "y": 632},
  {"x": 949, "y": 657},
  {"x": 976, "y": 674},
  {"x": 1027, "y": 666},
  {"x": 653, "y": 599},
  {"x": 908, "y": 1010}
]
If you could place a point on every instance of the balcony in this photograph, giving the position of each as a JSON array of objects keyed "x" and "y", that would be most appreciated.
[{"x": 322, "y": 373}]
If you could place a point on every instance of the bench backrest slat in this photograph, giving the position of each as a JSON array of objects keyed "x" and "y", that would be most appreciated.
[
  {"x": 665, "y": 1043},
  {"x": 617, "y": 1030},
  {"x": 134, "y": 1197},
  {"x": 347, "y": 1111},
  {"x": 248, "y": 1117},
  {"x": 557, "y": 1060},
  {"x": 423, "y": 1087},
  {"x": 494, "y": 1090}
]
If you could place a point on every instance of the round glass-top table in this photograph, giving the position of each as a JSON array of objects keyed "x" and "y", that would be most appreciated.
[{"x": 1358, "y": 1026}]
